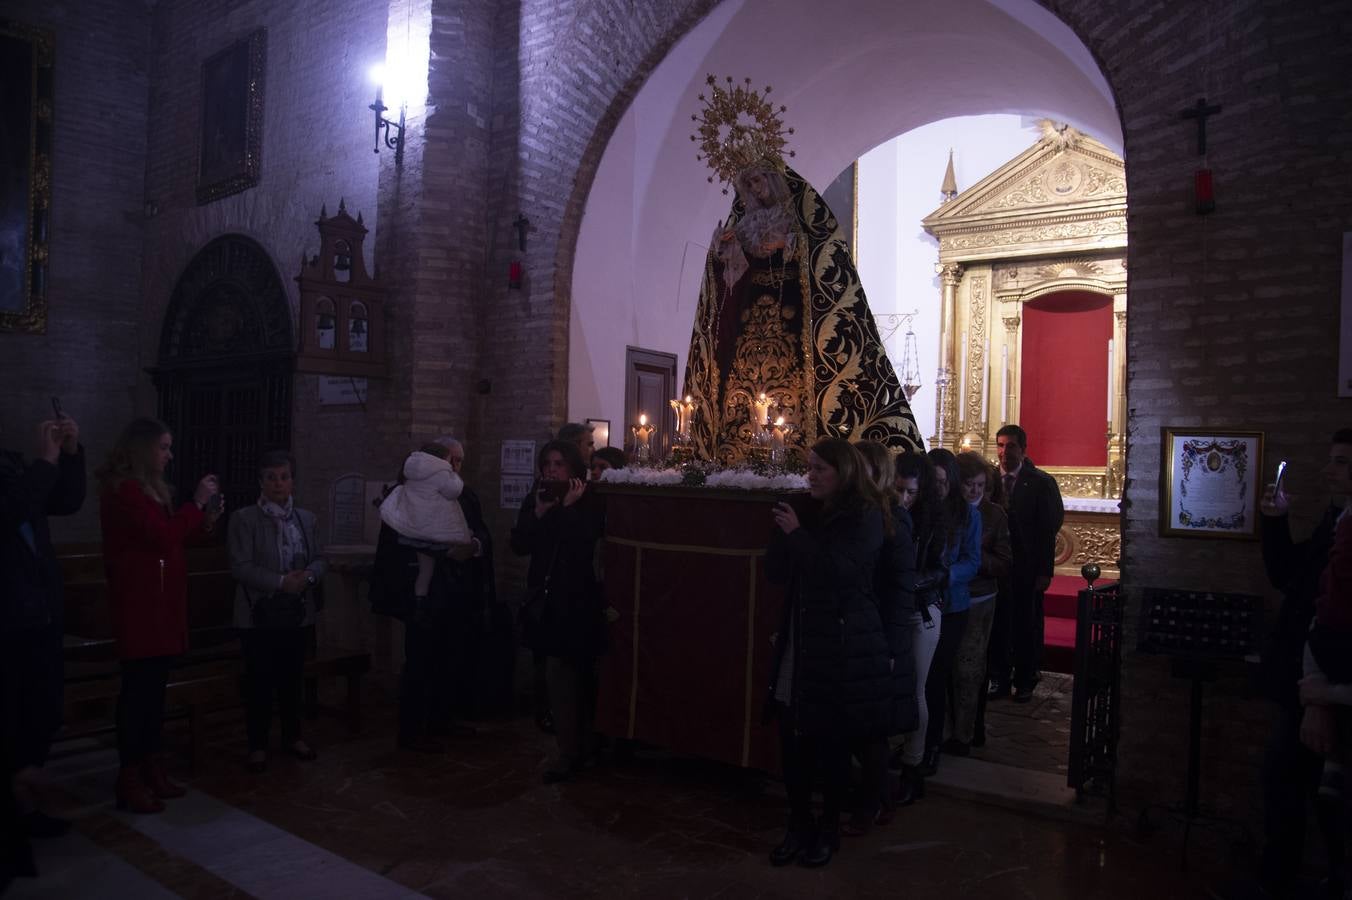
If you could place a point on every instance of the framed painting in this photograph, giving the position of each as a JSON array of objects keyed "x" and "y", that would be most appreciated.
[
  {"x": 1211, "y": 483},
  {"x": 230, "y": 143},
  {"x": 26, "y": 56}
]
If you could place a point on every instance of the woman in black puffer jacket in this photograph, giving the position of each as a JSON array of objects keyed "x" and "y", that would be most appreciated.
[
  {"x": 558, "y": 527},
  {"x": 832, "y": 684}
]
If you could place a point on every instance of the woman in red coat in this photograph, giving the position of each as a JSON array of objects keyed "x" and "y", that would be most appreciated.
[{"x": 143, "y": 541}]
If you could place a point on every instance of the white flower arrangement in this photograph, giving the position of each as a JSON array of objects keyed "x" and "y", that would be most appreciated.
[{"x": 737, "y": 478}]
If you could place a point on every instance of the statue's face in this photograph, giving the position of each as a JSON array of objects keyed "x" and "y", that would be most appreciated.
[{"x": 758, "y": 183}]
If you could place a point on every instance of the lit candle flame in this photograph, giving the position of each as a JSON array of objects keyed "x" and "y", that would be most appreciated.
[
  {"x": 688, "y": 399},
  {"x": 779, "y": 422},
  {"x": 642, "y": 418}
]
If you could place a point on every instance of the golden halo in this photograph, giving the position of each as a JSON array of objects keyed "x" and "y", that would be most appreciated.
[{"x": 739, "y": 127}]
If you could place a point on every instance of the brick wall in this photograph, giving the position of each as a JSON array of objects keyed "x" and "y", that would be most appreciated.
[
  {"x": 1221, "y": 308},
  {"x": 317, "y": 150},
  {"x": 98, "y": 165}
]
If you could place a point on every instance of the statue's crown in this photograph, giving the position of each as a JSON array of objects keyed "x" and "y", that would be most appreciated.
[{"x": 738, "y": 128}]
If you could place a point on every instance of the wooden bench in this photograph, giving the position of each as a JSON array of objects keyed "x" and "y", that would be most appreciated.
[{"x": 208, "y": 678}]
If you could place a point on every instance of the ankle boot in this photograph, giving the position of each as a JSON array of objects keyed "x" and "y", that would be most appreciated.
[
  {"x": 152, "y": 771},
  {"x": 133, "y": 793},
  {"x": 912, "y": 786},
  {"x": 929, "y": 765},
  {"x": 820, "y": 851}
]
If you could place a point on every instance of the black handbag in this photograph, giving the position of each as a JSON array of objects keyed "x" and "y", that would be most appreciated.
[
  {"x": 533, "y": 609},
  {"x": 279, "y": 610}
]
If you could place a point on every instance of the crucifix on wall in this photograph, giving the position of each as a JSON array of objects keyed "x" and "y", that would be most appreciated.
[
  {"x": 522, "y": 225},
  {"x": 1204, "y": 195}
]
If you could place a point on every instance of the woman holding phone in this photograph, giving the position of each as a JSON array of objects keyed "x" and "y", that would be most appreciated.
[
  {"x": 144, "y": 536},
  {"x": 558, "y": 527},
  {"x": 832, "y": 685}
]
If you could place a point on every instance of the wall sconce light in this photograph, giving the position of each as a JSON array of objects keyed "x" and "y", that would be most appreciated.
[{"x": 384, "y": 126}]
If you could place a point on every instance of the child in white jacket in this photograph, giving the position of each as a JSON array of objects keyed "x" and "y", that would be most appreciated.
[{"x": 425, "y": 510}]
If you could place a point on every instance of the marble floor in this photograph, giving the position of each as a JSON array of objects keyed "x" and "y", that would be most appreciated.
[{"x": 368, "y": 821}]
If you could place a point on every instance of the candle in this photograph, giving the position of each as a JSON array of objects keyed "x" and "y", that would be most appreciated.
[
  {"x": 962, "y": 382},
  {"x": 643, "y": 433},
  {"x": 779, "y": 437},
  {"x": 1110, "y": 382},
  {"x": 685, "y": 413},
  {"x": 1004, "y": 386},
  {"x": 986, "y": 383},
  {"x": 762, "y": 411}
]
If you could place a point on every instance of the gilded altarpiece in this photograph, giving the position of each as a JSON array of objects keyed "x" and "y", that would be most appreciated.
[{"x": 1052, "y": 219}]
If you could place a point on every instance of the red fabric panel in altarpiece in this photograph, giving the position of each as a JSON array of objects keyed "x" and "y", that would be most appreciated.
[
  {"x": 689, "y": 662},
  {"x": 1064, "y": 383}
]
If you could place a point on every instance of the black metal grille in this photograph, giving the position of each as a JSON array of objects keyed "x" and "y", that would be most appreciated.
[{"x": 1096, "y": 698}]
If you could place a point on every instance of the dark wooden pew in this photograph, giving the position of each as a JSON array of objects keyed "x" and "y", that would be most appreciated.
[{"x": 207, "y": 679}]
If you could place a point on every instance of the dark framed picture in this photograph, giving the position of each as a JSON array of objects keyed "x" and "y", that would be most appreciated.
[
  {"x": 600, "y": 432},
  {"x": 1211, "y": 483},
  {"x": 26, "y": 56},
  {"x": 230, "y": 144}
]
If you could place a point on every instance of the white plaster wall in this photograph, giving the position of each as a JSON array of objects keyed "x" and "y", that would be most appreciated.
[
  {"x": 852, "y": 80},
  {"x": 898, "y": 186}
]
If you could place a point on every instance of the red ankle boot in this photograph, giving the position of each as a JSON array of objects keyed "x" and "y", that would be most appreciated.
[
  {"x": 134, "y": 794},
  {"x": 152, "y": 770}
]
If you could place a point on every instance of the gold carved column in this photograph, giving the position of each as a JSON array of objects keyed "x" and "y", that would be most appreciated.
[
  {"x": 1009, "y": 361},
  {"x": 945, "y": 382},
  {"x": 1117, "y": 426}
]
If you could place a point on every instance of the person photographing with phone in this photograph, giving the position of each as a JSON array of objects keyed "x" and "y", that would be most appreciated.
[
  {"x": 563, "y": 618},
  {"x": 50, "y": 481},
  {"x": 144, "y": 558},
  {"x": 1291, "y": 771}
]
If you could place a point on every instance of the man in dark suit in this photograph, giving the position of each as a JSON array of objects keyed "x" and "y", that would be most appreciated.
[
  {"x": 1035, "y": 516},
  {"x": 1291, "y": 771}
]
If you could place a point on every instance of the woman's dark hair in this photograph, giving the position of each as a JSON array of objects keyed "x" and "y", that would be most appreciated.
[
  {"x": 972, "y": 465},
  {"x": 572, "y": 458},
  {"x": 612, "y": 455},
  {"x": 927, "y": 512},
  {"x": 132, "y": 457},
  {"x": 955, "y": 508},
  {"x": 853, "y": 485},
  {"x": 273, "y": 459}
]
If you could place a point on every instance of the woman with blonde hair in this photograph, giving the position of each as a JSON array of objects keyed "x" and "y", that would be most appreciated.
[{"x": 143, "y": 556}]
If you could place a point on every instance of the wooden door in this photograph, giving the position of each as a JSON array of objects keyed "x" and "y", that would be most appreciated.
[{"x": 649, "y": 388}]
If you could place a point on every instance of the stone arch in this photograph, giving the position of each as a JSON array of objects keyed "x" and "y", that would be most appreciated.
[
  {"x": 224, "y": 370},
  {"x": 228, "y": 302}
]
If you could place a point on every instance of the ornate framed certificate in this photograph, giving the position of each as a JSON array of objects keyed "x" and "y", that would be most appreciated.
[{"x": 1210, "y": 483}]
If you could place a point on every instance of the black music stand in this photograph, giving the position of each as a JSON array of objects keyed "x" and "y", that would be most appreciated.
[{"x": 1197, "y": 630}]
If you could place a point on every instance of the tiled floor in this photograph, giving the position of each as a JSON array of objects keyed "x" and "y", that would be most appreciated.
[
  {"x": 1034, "y": 735},
  {"x": 369, "y": 821}
]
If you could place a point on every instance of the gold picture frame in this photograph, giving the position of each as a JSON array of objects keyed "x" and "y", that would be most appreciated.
[
  {"x": 230, "y": 141},
  {"x": 1210, "y": 483},
  {"x": 26, "y": 58}
]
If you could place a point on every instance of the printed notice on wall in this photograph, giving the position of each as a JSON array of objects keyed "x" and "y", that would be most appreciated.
[
  {"x": 514, "y": 490},
  {"x": 341, "y": 391},
  {"x": 518, "y": 457},
  {"x": 1345, "y": 329}
]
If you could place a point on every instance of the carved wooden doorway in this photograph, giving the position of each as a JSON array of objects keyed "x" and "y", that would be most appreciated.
[{"x": 224, "y": 371}]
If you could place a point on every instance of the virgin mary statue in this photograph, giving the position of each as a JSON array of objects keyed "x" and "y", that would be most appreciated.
[{"x": 782, "y": 318}]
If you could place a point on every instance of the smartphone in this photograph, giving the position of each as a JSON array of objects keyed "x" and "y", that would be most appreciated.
[
  {"x": 1281, "y": 473},
  {"x": 56, "y": 408},
  {"x": 214, "y": 504},
  {"x": 553, "y": 490}
]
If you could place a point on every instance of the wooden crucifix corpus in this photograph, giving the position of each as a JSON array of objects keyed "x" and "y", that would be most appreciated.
[
  {"x": 1201, "y": 112},
  {"x": 521, "y": 224}
]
